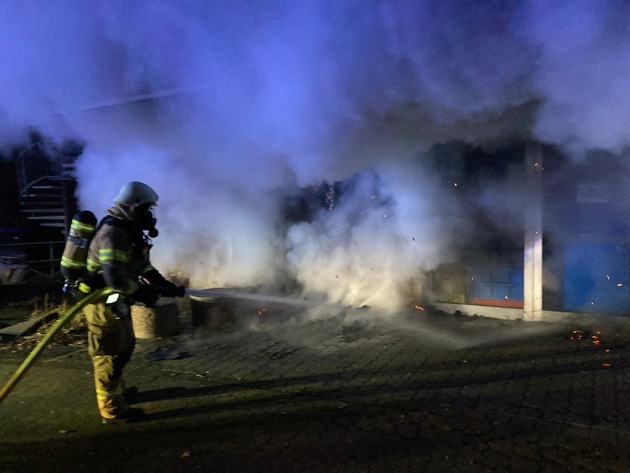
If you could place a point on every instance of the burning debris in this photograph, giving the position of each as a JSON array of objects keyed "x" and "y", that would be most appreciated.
[{"x": 593, "y": 337}]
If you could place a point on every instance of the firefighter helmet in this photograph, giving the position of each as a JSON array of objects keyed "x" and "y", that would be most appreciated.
[{"x": 136, "y": 193}]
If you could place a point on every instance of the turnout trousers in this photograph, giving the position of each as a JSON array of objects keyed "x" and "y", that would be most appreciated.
[{"x": 111, "y": 342}]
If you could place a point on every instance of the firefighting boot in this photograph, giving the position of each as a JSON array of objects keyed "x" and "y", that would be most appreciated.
[
  {"x": 114, "y": 409},
  {"x": 131, "y": 414},
  {"x": 110, "y": 406}
]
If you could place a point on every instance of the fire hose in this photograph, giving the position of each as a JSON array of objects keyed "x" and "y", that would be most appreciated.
[{"x": 61, "y": 322}]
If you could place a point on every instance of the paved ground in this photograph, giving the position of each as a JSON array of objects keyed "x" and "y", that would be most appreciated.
[{"x": 349, "y": 392}]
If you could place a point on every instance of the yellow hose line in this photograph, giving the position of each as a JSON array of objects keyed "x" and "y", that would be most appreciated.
[{"x": 67, "y": 317}]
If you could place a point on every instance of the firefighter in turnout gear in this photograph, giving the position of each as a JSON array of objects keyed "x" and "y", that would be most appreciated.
[{"x": 118, "y": 257}]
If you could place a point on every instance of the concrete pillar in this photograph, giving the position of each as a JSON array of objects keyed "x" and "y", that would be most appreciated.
[{"x": 533, "y": 258}]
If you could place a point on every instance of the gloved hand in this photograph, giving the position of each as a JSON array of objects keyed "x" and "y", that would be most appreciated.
[
  {"x": 146, "y": 294},
  {"x": 171, "y": 290}
]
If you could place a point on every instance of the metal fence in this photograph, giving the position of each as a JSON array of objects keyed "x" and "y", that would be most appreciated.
[{"x": 43, "y": 257}]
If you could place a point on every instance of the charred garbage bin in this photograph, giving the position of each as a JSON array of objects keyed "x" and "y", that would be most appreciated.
[
  {"x": 220, "y": 308},
  {"x": 213, "y": 312}
]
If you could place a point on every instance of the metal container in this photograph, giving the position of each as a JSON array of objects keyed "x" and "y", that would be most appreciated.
[
  {"x": 222, "y": 308},
  {"x": 213, "y": 312}
]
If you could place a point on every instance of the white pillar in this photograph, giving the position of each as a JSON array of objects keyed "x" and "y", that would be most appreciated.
[{"x": 533, "y": 284}]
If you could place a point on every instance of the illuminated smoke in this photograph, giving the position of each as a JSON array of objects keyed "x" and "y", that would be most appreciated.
[
  {"x": 371, "y": 249},
  {"x": 254, "y": 100}
]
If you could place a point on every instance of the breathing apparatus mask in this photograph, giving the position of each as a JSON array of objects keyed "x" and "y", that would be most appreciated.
[{"x": 146, "y": 220}]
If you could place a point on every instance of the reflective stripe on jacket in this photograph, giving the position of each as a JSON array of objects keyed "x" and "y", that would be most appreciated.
[{"x": 118, "y": 252}]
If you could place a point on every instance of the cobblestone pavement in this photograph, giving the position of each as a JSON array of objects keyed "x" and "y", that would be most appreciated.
[{"x": 345, "y": 393}]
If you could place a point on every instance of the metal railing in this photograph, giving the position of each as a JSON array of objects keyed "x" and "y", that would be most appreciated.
[{"x": 37, "y": 161}]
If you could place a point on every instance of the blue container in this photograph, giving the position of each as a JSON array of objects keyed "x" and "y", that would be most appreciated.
[
  {"x": 596, "y": 278},
  {"x": 502, "y": 283}
]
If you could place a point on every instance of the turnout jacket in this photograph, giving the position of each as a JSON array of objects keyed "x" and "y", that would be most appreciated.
[{"x": 119, "y": 254}]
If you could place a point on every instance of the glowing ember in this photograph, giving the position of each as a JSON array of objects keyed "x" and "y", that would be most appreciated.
[{"x": 579, "y": 335}]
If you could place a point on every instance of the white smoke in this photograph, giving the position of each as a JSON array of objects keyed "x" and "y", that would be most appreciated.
[
  {"x": 372, "y": 248},
  {"x": 583, "y": 60},
  {"x": 253, "y": 100}
]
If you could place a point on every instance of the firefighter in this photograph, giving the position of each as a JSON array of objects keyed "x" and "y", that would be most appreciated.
[{"x": 118, "y": 257}]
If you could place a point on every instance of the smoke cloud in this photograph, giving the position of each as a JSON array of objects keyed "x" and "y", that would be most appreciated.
[{"x": 226, "y": 108}]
